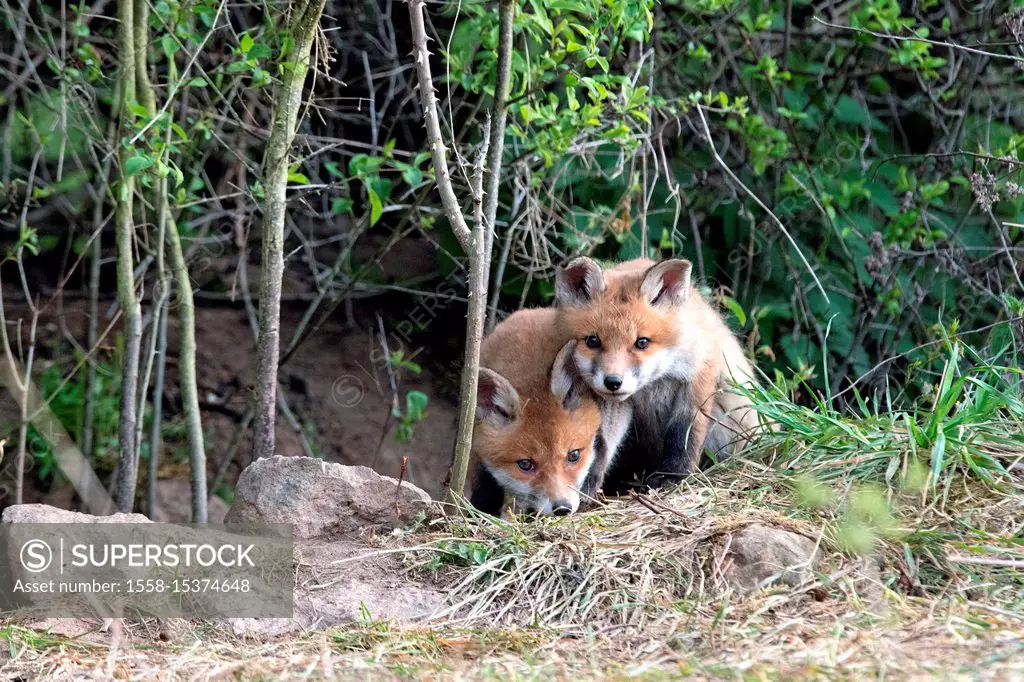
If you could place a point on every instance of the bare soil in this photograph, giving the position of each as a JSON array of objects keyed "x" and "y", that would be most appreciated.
[{"x": 337, "y": 385}]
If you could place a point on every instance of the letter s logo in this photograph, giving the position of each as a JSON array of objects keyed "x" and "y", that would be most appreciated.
[{"x": 36, "y": 556}]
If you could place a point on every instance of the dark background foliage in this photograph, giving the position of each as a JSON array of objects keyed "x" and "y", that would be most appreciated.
[{"x": 859, "y": 200}]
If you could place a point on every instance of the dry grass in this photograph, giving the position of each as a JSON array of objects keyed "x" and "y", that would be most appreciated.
[
  {"x": 634, "y": 589},
  {"x": 920, "y": 575}
]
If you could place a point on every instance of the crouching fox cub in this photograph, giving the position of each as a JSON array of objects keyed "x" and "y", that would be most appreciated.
[
  {"x": 536, "y": 420},
  {"x": 643, "y": 334}
]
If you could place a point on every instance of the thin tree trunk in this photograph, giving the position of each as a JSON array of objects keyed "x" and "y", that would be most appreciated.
[
  {"x": 506, "y": 15},
  {"x": 170, "y": 239},
  {"x": 156, "y": 423},
  {"x": 474, "y": 332},
  {"x": 478, "y": 243},
  {"x": 95, "y": 254},
  {"x": 302, "y": 27},
  {"x": 159, "y": 352},
  {"x": 19, "y": 472},
  {"x": 131, "y": 311},
  {"x": 187, "y": 372},
  {"x": 144, "y": 92},
  {"x": 92, "y": 335}
]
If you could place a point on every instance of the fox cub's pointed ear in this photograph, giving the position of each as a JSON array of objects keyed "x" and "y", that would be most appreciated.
[
  {"x": 496, "y": 401},
  {"x": 566, "y": 381},
  {"x": 578, "y": 282},
  {"x": 667, "y": 283}
]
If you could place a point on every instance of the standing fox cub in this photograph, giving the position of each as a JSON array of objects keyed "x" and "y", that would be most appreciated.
[
  {"x": 642, "y": 332},
  {"x": 536, "y": 420}
]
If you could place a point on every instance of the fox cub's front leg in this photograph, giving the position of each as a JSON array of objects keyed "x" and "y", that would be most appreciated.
[
  {"x": 684, "y": 441},
  {"x": 684, "y": 437},
  {"x": 615, "y": 421}
]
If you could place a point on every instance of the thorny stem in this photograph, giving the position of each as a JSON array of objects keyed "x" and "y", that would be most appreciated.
[
  {"x": 287, "y": 101},
  {"x": 438, "y": 151},
  {"x": 474, "y": 244}
]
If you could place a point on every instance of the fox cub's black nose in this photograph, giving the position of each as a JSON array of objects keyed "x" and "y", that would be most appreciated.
[
  {"x": 612, "y": 382},
  {"x": 561, "y": 509}
]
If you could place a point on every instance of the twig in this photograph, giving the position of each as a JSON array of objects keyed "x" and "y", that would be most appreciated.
[
  {"x": 939, "y": 43},
  {"x": 496, "y": 126},
  {"x": 506, "y": 249},
  {"x": 750, "y": 193},
  {"x": 987, "y": 561}
]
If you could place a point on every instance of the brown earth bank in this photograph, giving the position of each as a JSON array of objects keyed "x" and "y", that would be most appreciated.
[{"x": 337, "y": 385}]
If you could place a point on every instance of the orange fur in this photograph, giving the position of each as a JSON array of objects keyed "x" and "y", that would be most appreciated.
[
  {"x": 545, "y": 422},
  {"x": 683, "y": 373}
]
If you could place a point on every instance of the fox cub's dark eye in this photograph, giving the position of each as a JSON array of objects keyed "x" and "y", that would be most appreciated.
[
  {"x": 573, "y": 456},
  {"x": 525, "y": 464},
  {"x": 642, "y": 343},
  {"x": 592, "y": 341}
]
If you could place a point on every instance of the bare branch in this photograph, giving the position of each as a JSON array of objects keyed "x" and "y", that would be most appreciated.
[
  {"x": 914, "y": 39},
  {"x": 430, "y": 118},
  {"x": 750, "y": 193}
]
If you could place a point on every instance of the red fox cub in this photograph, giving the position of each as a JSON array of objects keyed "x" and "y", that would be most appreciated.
[
  {"x": 642, "y": 332},
  {"x": 536, "y": 420}
]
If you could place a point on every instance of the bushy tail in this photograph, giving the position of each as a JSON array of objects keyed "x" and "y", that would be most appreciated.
[{"x": 734, "y": 422}]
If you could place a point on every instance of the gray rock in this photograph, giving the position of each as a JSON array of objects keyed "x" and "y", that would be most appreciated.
[
  {"x": 343, "y": 582},
  {"x": 336, "y": 582},
  {"x": 323, "y": 500},
  {"x": 44, "y": 513},
  {"x": 760, "y": 555}
]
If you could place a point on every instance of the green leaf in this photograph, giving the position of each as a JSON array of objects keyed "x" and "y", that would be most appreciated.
[
  {"x": 259, "y": 51},
  {"x": 197, "y": 82},
  {"x": 412, "y": 176},
  {"x": 415, "y": 405},
  {"x": 665, "y": 243},
  {"x": 137, "y": 164},
  {"x": 246, "y": 43},
  {"x": 341, "y": 205},
  {"x": 737, "y": 310},
  {"x": 334, "y": 169},
  {"x": 376, "y": 208},
  {"x": 938, "y": 457},
  {"x": 238, "y": 67},
  {"x": 297, "y": 178},
  {"x": 169, "y": 45}
]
